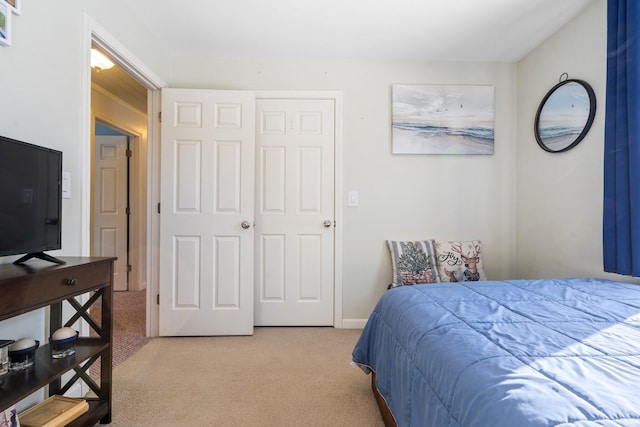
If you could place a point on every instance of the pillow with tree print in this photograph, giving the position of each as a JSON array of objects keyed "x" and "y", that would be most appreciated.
[
  {"x": 413, "y": 262},
  {"x": 459, "y": 261}
]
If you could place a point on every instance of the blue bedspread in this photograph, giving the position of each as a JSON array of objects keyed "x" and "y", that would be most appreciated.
[{"x": 562, "y": 352}]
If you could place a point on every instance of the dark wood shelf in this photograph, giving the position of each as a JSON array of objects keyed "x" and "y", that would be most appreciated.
[
  {"x": 26, "y": 288},
  {"x": 18, "y": 385}
]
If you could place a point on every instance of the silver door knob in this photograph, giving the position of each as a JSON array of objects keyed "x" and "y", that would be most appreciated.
[
  {"x": 245, "y": 224},
  {"x": 327, "y": 223}
]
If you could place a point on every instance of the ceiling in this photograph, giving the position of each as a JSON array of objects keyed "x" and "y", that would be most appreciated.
[
  {"x": 416, "y": 30},
  {"x": 449, "y": 30},
  {"x": 117, "y": 82}
]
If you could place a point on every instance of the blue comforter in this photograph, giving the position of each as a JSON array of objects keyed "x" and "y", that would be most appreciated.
[{"x": 562, "y": 352}]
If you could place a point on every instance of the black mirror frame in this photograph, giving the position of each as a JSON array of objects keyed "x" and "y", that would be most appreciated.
[{"x": 592, "y": 112}]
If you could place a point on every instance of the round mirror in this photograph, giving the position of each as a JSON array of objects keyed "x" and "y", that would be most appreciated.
[{"x": 565, "y": 115}]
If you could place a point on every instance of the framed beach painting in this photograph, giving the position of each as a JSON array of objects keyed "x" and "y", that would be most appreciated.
[
  {"x": 5, "y": 24},
  {"x": 442, "y": 119}
]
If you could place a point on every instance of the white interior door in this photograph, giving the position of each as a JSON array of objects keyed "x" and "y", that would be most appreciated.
[
  {"x": 295, "y": 216},
  {"x": 110, "y": 204},
  {"x": 207, "y": 212}
]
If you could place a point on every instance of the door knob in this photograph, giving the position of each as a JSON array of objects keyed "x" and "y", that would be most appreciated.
[
  {"x": 327, "y": 223},
  {"x": 245, "y": 224}
]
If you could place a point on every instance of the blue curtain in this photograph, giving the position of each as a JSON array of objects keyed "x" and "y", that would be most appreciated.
[{"x": 621, "y": 216}]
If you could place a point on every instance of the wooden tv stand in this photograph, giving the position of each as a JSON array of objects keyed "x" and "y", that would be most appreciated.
[{"x": 39, "y": 284}]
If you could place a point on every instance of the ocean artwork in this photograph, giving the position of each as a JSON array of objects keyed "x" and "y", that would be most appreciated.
[
  {"x": 564, "y": 116},
  {"x": 442, "y": 119}
]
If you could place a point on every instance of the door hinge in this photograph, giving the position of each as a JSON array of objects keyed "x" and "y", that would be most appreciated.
[
  {"x": 129, "y": 153},
  {"x": 160, "y": 116},
  {"x": 128, "y": 210},
  {"x": 129, "y": 268},
  {"x": 158, "y": 299},
  {"x": 158, "y": 207}
]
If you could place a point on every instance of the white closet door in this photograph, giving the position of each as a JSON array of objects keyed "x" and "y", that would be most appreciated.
[
  {"x": 207, "y": 212},
  {"x": 295, "y": 228}
]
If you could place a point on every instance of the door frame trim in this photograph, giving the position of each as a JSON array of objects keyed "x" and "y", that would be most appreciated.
[
  {"x": 336, "y": 97},
  {"x": 94, "y": 34}
]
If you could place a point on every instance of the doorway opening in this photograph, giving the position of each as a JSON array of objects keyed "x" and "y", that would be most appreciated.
[
  {"x": 118, "y": 214},
  {"x": 145, "y": 177}
]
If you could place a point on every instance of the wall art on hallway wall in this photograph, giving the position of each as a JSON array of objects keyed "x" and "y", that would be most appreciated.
[{"x": 5, "y": 24}]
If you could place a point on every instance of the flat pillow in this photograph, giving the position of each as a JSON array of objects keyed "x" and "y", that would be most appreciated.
[
  {"x": 459, "y": 261},
  {"x": 413, "y": 262}
]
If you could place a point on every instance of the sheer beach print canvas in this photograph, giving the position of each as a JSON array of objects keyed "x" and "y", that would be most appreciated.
[{"x": 442, "y": 119}]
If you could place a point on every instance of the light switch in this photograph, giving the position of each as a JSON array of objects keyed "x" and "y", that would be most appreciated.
[
  {"x": 66, "y": 185},
  {"x": 352, "y": 198}
]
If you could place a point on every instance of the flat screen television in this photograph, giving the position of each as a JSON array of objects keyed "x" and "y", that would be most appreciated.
[{"x": 30, "y": 200}]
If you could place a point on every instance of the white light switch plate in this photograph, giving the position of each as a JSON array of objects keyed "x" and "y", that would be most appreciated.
[
  {"x": 352, "y": 198},
  {"x": 66, "y": 185}
]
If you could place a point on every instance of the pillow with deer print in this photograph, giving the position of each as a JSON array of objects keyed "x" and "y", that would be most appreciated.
[
  {"x": 413, "y": 262},
  {"x": 459, "y": 261}
]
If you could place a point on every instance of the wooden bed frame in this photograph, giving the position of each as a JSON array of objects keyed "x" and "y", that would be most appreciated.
[{"x": 386, "y": 414}]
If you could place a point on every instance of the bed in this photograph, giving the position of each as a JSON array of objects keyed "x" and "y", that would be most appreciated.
[{"x": 562, "y": 352}]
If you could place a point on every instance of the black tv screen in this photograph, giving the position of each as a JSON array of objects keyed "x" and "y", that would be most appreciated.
[{"x": 30, "y": 199}]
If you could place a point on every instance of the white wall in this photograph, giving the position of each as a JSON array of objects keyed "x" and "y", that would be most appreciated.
[
  {"x": 401, "y": 196},
  {"x": 559, "y": 195}
]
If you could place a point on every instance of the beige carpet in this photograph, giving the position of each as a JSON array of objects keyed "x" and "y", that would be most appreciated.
[
  {"x": 277, "y": 377},
  {"x": 129, "y": 323}
]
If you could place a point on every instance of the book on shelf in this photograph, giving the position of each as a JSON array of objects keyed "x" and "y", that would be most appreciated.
[
  {"x": 9, "y": 417},
  {"x": 56, "y": 411}
]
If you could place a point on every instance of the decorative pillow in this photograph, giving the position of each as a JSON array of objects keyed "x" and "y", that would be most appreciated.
[
  {"x": 413, "y": 262},
  {"x": 459, "y": 261}
]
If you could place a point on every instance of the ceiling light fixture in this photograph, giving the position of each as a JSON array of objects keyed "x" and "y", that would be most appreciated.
[{"x": 99, "y": 61}]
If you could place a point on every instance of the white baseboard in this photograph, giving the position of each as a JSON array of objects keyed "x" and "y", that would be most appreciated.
[{"x": 353, "y": 323}]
